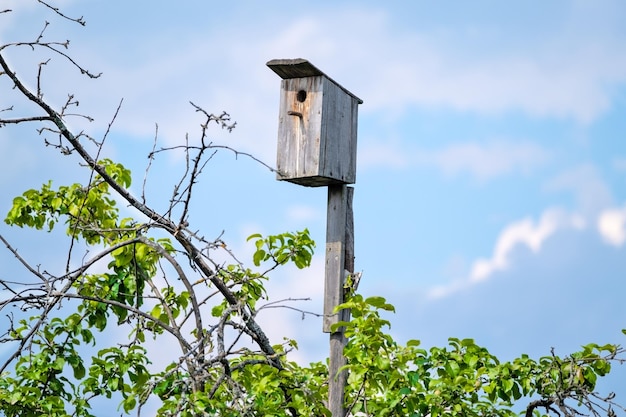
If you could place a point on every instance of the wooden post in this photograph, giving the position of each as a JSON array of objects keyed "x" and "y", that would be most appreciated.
[
  {"x": 335, "y": 252},
  {"x": 339, "y": 261},
  {"x": 317, "y": 134}
]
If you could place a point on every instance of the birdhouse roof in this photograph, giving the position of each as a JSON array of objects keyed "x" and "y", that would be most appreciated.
[{"x": 301, "y": 68}]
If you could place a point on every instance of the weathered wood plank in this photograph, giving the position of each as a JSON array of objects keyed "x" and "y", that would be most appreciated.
[
  {"x": 339, "y": 252},
  {"x": 317, "y": 133},
  {"x": 348, "y": 247},
  {"x": 293, "y": 68},
  {"x": 339, "y": 133},
  {"x": 338, "y": 378},
  {"x": 349, "y": 239},
  {"x": 299, "y": 139},
  {"x": 300, "y": 68},
  {"x": 335, "y": 252}
]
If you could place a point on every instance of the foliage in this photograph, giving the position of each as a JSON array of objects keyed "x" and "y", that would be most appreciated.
[
  {"x": 96, "y": 330},
  {"x": 464, "y": 379},
  {"x": 52, "y": 367}
]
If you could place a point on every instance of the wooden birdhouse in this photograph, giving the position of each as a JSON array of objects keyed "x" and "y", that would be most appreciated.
[{"x": 317, "y": 126}]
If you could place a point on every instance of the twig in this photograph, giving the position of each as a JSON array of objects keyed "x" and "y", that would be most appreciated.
[
  {"x": 150, "y": 159},
  {"x": 278, "y": 304},
  {"x": 22, "y": 260},
  {"x": 79, "y": 20}
]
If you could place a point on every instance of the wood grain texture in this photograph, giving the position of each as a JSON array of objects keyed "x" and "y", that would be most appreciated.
[
  {"x": 299, "y": 68},
  {"x": 339, "y": 252},
  {"x": 317, "y": 135},
  {"x": 293, "y": 68},
  {"x": 335, "y": 253},
  {"x": 340, "y": 227},
  {"x": 338, "y": 379}
]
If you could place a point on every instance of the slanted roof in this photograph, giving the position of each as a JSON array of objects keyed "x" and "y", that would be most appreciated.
[{"x": 301, "y": 68}]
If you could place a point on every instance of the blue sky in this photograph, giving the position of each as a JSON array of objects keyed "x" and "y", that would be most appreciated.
[{"x": 491, "y": 184}]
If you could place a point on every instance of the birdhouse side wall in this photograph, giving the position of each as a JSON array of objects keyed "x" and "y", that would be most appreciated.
[
  {"x": 339, "y": 134},
  {"x": 299, "y": 129}
]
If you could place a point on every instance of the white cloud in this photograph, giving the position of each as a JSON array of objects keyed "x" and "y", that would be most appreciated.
[
  {"x": 589, "y": 189},
  {"x": 301, "y": 213},
  {"x": 525, "y": 233},
  {"x": 441, "y": 291},
  {"x": 485, "y": 161},
  {"x": 387, "y": 155},
  {"x": 482, "y": 161},
  {"x": 554, "y": 75},
  {"x": 612, "y": 226},
  {"x": 619, "y": 164}
]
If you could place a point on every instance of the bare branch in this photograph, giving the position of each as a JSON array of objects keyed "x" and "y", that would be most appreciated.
[
  {"x": 79, "y": 20},
  {"x": 280, "y": 304},
  {"x": 237, "y": 153},
  {"x": 25, "y": 120},
  {"x": 213, "y": 146},
  {"x": 22, "y": 260}
]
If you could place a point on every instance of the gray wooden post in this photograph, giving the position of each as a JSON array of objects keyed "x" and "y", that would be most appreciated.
[
  {"x": 339, "y": 261},
  {"x": 317, "y": 126}
]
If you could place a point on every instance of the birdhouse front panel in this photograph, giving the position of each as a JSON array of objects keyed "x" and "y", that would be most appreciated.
[
  {"x": 299, "y": 134},
  {"x": 316, "y": 132}
]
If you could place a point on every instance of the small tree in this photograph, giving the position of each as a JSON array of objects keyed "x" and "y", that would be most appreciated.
[{"x": 159, "y": 279}]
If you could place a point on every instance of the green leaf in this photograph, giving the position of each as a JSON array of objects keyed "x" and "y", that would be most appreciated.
[
  {"x": 335, "y": 326},
  {"x": 376, "y": 301},
  {"x": 129, "y": 403},
  {"x": 157, "y": 310},
  {"x": 217, "y": 310},
  {"x": 79, "y": 370},
  {"x": 258, "y": 257}
]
